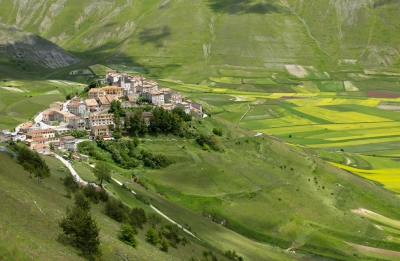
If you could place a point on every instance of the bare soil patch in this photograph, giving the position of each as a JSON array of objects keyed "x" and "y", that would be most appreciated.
[
  {"x": 292, "y": 97},
  {"x": 379, "y": 94},
  {"x": 375, "y": 250}
]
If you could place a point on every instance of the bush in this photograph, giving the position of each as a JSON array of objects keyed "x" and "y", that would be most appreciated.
[
  {"x": 152, "y": 237},
  {"x": 116, "y": 210},
  {"x": 217, "y": 131},
  {"x": 164, "y": 245},
  {"x": 127, "y": 235}
]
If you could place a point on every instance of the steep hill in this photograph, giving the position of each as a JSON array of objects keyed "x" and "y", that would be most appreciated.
[
  {"x": 30, "y": 211},
  {"x": 191, "y": 40},
  {"x": 27, "y": 51}
]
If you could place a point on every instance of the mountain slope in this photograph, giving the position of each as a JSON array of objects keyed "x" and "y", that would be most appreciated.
[
  {"x": 191, "y": 40},
  {"x": 27, "y": 50}
]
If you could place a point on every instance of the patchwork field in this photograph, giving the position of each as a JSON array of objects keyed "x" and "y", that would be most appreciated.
[{"x": 336, "y": 118}]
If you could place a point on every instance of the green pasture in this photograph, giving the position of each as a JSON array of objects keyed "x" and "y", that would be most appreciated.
[
  {"x": 99, "y": 69},
  {"x": 22, "y": 99},
  {"x": 223, "y": 185},
  {"x": 330, "y": 86}
]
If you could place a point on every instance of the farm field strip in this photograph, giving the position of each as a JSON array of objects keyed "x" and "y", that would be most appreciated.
[
  {"x": 389, "y": 177},
  {"x": 355, "y": 142},
  {"x": 338, "y": 117}
]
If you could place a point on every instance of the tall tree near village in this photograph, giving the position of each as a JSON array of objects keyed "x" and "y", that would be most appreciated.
[
  {"x": 102, "y": 171},
  {"x": 80, "y": 229}
]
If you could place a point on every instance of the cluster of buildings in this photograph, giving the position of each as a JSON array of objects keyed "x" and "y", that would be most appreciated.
[{"x": 91, "y": 114}]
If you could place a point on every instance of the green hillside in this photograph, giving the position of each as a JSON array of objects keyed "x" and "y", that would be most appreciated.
[
  {"x": 193, "y": 40},
  {"x": 30, "y": 212}
]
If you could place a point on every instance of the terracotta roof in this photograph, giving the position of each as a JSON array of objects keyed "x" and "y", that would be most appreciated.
[
  {"x": 68, "y": 137},
  {"x": 111, "y": 97},
  {"x": 39, "y": 146},
  {"x": 100, "y": 127},
  {"x": 73, "y": 104},
  {"x": 40, "y": 131},
  {"x": 39, "y": 138},
  {"x": 131, "y": 98},
  {"x": 101, "y": 116},
  {"x": 48, "y": 113},
  {"x": 104, "y": 101},
  {"x": 91, "y": 102},
  {"x": 95, "y": 90},
  {"x": 156, "y": 93},
  {"x": 111, "y": 88}
]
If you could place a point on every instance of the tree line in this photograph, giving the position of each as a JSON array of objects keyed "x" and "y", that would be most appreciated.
[{"x": 30, "y": 160}]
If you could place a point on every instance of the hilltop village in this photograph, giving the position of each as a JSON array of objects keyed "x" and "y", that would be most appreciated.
[{"x": 52, "y": 127}]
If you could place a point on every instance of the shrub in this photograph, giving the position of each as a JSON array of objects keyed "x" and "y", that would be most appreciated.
[
  {"x": 127, "y": 235},
  {"x": 217, "y": 131},
  {"x": 152, "y": 237}
]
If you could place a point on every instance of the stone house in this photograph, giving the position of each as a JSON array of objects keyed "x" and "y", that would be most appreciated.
[
  {"x": 96, "y": 93},
  {"x": 185, "y": 106},
  {"x": 69, "y": 142},
  {"x": 113, "y": 90},
  {"x": 156, "y": 97},
  {"x": 104, "y": 103},
  {"x": 91, "y": 105},
  {"x": 196, "y": 108},
  {"x": 25, "y": 127},
  {"x": 101, "y": 119},
  {"x": 42, "y": 148},
  {"x": 46, "y": 133},
  {"x": 101, "y": 130},
  {"x": 77, "y": 123},
  {"x": 147, "y": 86},
  {"x": 77, "y": 108}
]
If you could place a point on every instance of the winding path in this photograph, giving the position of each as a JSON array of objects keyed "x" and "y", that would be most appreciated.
[
  {"x": 241, "y": 118},
  {"x": 73, "y": 172}
]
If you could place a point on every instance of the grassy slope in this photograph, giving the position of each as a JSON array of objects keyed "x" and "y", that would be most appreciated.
[
  {"x": 305, "y": 205},
  {"x": 33, "y": 96},
  {"x": 216, "y": 38},
  {"x": 31, "y": 210}
]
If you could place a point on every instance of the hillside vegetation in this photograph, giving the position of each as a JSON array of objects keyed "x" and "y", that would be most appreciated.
[{"x": 193, "y": 40}]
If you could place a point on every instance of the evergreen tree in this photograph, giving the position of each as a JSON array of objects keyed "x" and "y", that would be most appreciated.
[
  {"x": 80, "y": 229},
  {"x": 127, "y": 235},
  {"x": 152, "y": 237}
]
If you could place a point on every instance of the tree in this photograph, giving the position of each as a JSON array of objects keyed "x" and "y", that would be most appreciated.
[
  {"x": 152, "y": 237},
  {"x": 80, "y": 229},
  {"x": 102, "y": 171},
  {"x": 117, "y": 135},
  {"x": 127, "y": 235},
  {"x": 164, "y": 245},
  {"x": 32, "y": 162},
  {"x": 217, "y": 131},
  {"x": 93, "y": 84}
]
